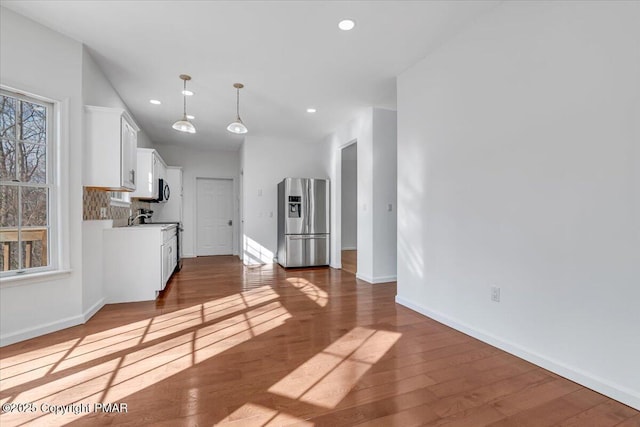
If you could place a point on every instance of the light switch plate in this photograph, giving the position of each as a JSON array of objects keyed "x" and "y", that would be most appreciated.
[{"x": 495, "y": 294}]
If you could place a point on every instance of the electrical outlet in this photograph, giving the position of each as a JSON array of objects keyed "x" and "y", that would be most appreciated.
[
  {"x": 495, "y": 294},
  {"x": 103, "y": 213}
]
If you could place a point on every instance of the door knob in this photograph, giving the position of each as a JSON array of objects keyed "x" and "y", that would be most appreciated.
[{"x": 230, "y": 223}]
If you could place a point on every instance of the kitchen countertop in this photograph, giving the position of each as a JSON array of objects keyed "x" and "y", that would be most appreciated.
[{"x": 162, "y": 227}]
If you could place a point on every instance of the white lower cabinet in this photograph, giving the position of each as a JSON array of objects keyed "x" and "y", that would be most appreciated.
[
  {"x": 139, "y": 261},
  {"x": 169, "y": 258}
]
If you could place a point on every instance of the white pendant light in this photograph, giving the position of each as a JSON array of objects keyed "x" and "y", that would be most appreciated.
[
  {"x": 184, "y": 125},
  {"x": 237, "y": 126}
]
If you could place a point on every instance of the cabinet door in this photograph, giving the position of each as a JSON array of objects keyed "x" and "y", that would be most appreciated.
[
  {"x": 154, "y": 176},
  {"x": 128, "y": 145},
  {"x": 166, "y": 262},
  {"x": 174, "y": 254}
]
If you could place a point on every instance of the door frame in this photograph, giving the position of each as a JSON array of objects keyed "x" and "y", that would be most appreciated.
[
  {"x": 338, "y": 204},
  {"x": 234, "y": 203}
]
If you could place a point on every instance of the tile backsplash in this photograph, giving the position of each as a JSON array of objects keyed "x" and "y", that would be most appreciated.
[{"x": 93, "y": 199}]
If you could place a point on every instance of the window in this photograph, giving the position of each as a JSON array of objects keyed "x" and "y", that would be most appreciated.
[
  {"x": 120, "y": 198},
  {"x": 26, "y": 184}
]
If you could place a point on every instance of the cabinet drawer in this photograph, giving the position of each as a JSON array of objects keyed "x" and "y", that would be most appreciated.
[{"x": 168, "y": 235}]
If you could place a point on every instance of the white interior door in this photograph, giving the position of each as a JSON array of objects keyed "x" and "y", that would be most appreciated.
[{"x": 214, "y": 214}]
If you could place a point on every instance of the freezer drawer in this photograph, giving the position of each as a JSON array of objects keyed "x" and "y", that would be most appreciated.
[{"x": 306, "y": 250}]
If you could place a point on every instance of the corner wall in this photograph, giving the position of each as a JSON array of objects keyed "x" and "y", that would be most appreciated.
[
  {"x": 266, "y": 161},
  {"x": 349, "y": 198},
  {"x": 97, "y": 90},
  {"x": 519, "y": 167},
  {"x": 202, "y": 163},
  {"x": 40, "y": 61},
  {"x": 375, "y": 131},
  {"x": 384, "y": 206}
]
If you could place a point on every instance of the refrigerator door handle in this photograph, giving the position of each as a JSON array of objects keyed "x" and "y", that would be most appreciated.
[
  {"x": 307, "y": 207},
  {"x": 308, "y": 237}
]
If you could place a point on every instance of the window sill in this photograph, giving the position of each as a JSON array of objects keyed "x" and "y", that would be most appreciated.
[
  {"x": 22, "y": 279},
  {"x": 120, "y": 203}
]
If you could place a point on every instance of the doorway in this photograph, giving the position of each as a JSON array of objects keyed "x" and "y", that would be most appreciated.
[
  {"x": 349, "y": 208},
  {"x": 214, "y": 216}
]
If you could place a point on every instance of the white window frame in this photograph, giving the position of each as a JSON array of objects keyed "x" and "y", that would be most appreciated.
[
  {"x": 120, "y": 198},
  {"x": 53, "y": 146}
]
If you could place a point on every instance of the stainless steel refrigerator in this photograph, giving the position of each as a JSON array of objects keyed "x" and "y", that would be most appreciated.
[{"x": 303, "y": 222}]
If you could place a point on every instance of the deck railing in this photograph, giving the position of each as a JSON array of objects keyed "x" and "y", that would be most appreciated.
[{"x": 29, "y": 236}]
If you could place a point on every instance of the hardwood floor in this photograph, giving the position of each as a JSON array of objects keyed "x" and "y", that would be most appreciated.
[
  {"x": 350, "y": 261},
  {"x": 254, "y": 346}
]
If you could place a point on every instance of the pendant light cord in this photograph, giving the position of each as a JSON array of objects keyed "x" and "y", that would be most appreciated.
[
  {"x": 184, "y": 98},
  {"x": 238, "y": 103}
]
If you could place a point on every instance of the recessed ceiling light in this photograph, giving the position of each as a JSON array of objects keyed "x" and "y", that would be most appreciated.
[
  {"x": 187, "y": 92},
  {"x": 311, "y": 110},
  {"x": 346, "y": 24},
  {"x": 155, "y": 102},
  {"x": 190, "y": 117}
]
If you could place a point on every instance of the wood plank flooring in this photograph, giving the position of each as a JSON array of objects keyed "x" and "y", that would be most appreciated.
[
  {"x": 254, "y": 346},
  {"x": 350, "y": 261}
]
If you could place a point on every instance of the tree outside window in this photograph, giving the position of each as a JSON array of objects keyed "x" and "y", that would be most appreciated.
[{"x": 25, "y": 183}]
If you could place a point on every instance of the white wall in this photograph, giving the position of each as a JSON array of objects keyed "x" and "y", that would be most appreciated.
[
  {"x": 359, "y": 129},
  {"x": 374, "y": 130},
  {"x": 202, "y": 163},
  {"x": 349, "y": 198},
  {"x": 97, "y": 90},
  {"x": 384, "y": 194},
  {"x": 518, "y": 148},
  {"x": 266, "y": 161},
  {"x": 93, "y": 291},
  {"x": 37, "y": 60}
]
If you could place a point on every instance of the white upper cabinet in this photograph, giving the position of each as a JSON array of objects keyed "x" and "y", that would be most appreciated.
[
  {"x": 111, "y": 140},
  {"x": 128, "y": 155},
  {"x": 150, "y": 168}
]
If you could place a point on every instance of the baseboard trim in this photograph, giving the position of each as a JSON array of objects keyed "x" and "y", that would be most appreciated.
[
  {"x": 614, "y": 391},
  {"x": 47, "y": 328},
  {"x": 384, "y": 279},
  {"x": 376, "y": 280},
  {"x": 93, "y": 310},
  {"x": 36, "y": 331},
  {"x": 364, "y": 278}
]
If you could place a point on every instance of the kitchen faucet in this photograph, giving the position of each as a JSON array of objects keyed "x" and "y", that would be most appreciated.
[{"x": 132, "y": 219}]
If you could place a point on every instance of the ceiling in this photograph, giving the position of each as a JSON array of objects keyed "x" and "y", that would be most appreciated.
[{"x": 290, "y": 55}]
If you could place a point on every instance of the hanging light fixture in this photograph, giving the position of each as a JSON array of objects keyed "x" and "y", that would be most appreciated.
[
  {"x": 237, "y": 126},
  {"x": 184, "y": 125}
]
